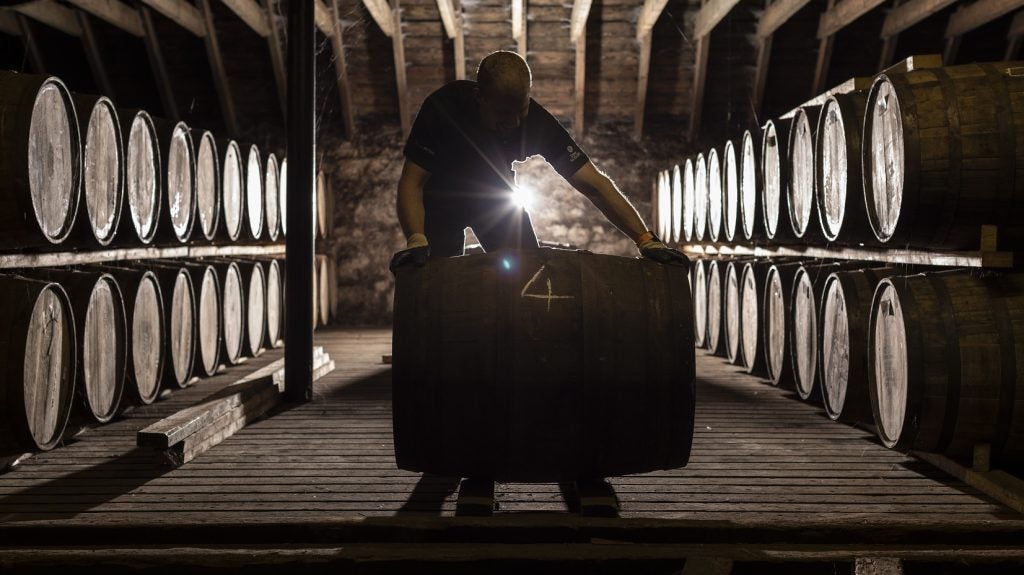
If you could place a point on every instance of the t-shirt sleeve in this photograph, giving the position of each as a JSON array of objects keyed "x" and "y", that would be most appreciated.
[
  {"x": 423, "y": 143},
  {"x": 552, "y": 141}
]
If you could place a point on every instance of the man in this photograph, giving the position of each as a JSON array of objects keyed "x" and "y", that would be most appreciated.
[
  {"x": 458, "y": 168},
  {"x": 458, "y": 173}
]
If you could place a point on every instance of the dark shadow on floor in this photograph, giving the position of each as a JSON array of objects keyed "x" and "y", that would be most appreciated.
[{"x": 430, "y": 494}]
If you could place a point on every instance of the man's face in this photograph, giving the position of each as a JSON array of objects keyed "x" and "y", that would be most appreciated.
[{"x": 503, "y": 112}]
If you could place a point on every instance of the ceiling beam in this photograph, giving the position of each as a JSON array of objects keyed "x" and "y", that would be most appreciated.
[
  {"x": 460, "y": 42},
  {"x": 824, "y": 58},
  {"x": 28, "y": 37},
  {"x": 711, "y": 13},
  {"x": 92, "y": 54},
  {"x": 844, "y": 13},
  {"x": 341, "y": 72},
  {"x": 578, "y": 20},
  {"x": 156, "y": 62},
  {"x": 978, "y": 14},
  {"x": 648, "y": 16},
  {"x": 398, "y": 48},
  {"x": 764, "y": 55},
  {"x": 113, "y": 12},
  {"x": 53, "y": 15},
  {"x": 910, "y": 13},
  {"x": 220, "y": 76},
  {"x": 250, "y": 12},
  {"x": 776, "y": 14},
  {"x": 641, "y": 86},
  {"x": 380, "y": 11},
  {"x": 519, "y": 26},
  {"x": 448, "y": 17},
  {"x": 181, "y": 13},
  {"x": 275, "y": 44},
  {"x": 323, "y": 19}
]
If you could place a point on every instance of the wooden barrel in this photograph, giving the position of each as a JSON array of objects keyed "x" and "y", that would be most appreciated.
[
  {"x": 142, "y": 177},
  {"x": 715, "y": 313},
  {"x": 663, "y": 207},
  {"x": 775, "y": 170},
  {"x": 37, "y": 336},
  {"x": 732, "y": 309},
  {"x": 751, "y": 187},
  {"x": 698, "y": 269},
  {"x": 808, "y": 286},
  {"x": 146, "y": 321},
  {"x": 103, "y": 170},
  {"x": 40, "y": 161},
  {"x": 777, "y": 308},
  {"x": 254, "y": 201},
  {"x": 254, "y": 281},
  {"x": 232, "y": 191},
  {"x": 271, "y": 200},
  {"x": 941, "y": 155},
  {"x": 843, "y": 346},
  {"x": 688, "y": 200},
  {"x": 677, "y": 205},
  {"x": 324, "y": 206},
  {"x": 180, "y": 308},
  {"x": 282, "y": 192},
  {"x": 752, "y": 282},
  {"x": 800, "y": 207},
  {"x": 275, "y": 303},
  {"x": 332, "y": 288},
  {"x": 178, "y": 182},
  {"x": 323, "y": 289},
  {"x": 944, "y": 361},
  {"x": 837, "y": 174},
  {"x": 233, "y": 318},
  {"x": 714, "y": 195},
  {"x": 315, "y": 294},
  {"x": 208, "y": 184},
  {"x": 208, "y": 317},
  {"x": 594, "y": 385},
  {"x": 700, "y": 198},
  {"x": 730, "y": 192},
  {"x": 101, "y": 333}
]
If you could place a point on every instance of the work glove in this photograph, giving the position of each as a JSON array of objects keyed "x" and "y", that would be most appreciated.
[
  {"x": 653, "y": 248},
  {"x": 416, "y": 252}
]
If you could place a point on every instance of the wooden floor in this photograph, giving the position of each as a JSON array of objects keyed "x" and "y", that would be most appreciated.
[{"x": 761, "y": 460}]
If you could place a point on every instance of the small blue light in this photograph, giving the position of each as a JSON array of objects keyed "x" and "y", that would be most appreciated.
[{"x": 506, "y": 263}]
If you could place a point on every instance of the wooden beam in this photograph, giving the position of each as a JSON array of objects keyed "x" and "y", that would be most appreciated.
[
  {"x": 448, "y": 19},
  {"x": 578, "y": 20},
  {"x": 764, "y": 55},
  {"x": 220, "y": 76},
  {"x": 398, "y": 48},
  {"x": 323, "y": 19},
  {"x": 92, "y": 54},
  {"x": 978, "y": 14},
  {"x": 341, "y": 71},
  {"x": 822, "y": 64},
  {"x": 641, "y": 87},
  {"x": 28, "y": 38},
  {"x": 580, "y": 85},
  {"x": 53, "y": 15},
  {"x": 842, "y": 14},
  {"x": 519, "y": 26},
  {"x": 776, "y": 14},
  {"x": 156, "y": 61},
  {"x": 381, "y": 14},
  {"x": 113, "y": 12},
  {"x": 711, "y": 13},
  {"x": 1014, "y": 37},
  {"x": 181, "y": 13},
  {"x": 250, "y": 12},
  {"x": 460, "y": 42},
  {"x": 276, "y": 56},
  {"x": 648, "y": 16},
  {"x": 700, "y": 78},
  {"x": 910, "y": 13}
]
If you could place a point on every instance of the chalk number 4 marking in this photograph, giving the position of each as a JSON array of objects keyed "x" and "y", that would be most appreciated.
[{"x": 549, "y": 296}]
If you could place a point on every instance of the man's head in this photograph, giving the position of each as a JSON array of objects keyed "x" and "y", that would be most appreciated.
[{"x": 503, "y": 90}]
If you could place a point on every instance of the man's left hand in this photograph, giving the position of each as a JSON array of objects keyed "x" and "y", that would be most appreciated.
[{"x": 655, "y": 249}]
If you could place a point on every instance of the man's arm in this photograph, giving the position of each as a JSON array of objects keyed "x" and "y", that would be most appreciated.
[
  {"x": 605, "y": 195},
  {"x": 410, "y": 201}
]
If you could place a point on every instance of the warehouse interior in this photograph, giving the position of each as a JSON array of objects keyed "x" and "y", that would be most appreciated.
[{"x": 208, "y": 368}]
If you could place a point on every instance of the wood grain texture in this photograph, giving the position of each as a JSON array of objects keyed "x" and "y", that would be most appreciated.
[
  {"x": 837, "y": 174},
  {"x": 777, "y": 306},
  {"x": 272, "y": 202},
  {"x": 102, "y": 170},
  {"x": 232, "y": 190},
  {"x": 752, "y": 321},
  {"x": 699, "y": 289},
  {"x": 715, "y": 312},
  {"x": 142, "y": 186},
  {"x": 232, "y": 310},
  {"x": 253, "y": 203},
  {"x": 751, "y": 184},
  {"x": 775, "y": 170},
  {"x": 208, "y": 184},
  {"x": 714, "y": 195},
  {"x": 689, "y": 199},
  {"x": 700, "y": 197},
  {"x": 800, "y": 207}
]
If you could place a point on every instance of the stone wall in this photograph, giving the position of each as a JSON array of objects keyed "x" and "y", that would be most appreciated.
[{"x": 363, "y": 176}]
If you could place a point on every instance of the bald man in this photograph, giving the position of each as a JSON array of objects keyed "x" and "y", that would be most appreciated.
[{"x": 458, "y": 168}]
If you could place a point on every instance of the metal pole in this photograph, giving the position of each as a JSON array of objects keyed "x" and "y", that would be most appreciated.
[{"x": 298, "y": 351}]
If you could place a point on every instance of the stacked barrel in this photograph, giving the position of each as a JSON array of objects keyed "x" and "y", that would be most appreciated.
[
  {"x": 84, "y": 341},
  {"x": 921, "y": 160}
]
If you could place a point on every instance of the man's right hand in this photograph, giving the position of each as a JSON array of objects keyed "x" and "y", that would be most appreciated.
[{"x": 416, "y": 252}]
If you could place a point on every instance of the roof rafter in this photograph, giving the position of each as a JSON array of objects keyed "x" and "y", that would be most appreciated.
[
  {"x": 711, "y": 13},
  {"x": 250, "y": 12},
  {"x": 978, "y": 14},
  {"x": 844, "y": 13},
  {"x": 578, "y": 20},
  {"x": 341, "y": 71},
  {"x": 180, "y": 12},
  {"x": 380, "y": 11},
  {"x": 776, "y": 14},
  {"x": 578, "y": 36},
  {"x": 910, "y": 13},
  {"x": 53, "y": 15},
  {"x": 648, "y": 16},
  {"x": 519, "y": 26},
  {"x": 113, "y": 12}
]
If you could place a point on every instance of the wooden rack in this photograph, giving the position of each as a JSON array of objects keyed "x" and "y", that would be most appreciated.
[{"x": 54, "y": 259}]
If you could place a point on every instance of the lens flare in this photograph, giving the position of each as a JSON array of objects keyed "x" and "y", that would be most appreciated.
[{"x": 522, "y": 197}]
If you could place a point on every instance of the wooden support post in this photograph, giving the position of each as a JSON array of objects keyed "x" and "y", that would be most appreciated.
[
  {"x": 398, "y": 48},
  {"x": 700, "y": 78},
  {"x": 764, "y": 54},
  {"x": 28, "y": 38},
  {"x": 641, "y": 86},
  {"x": 341, "y": 71},
  {"x": 1014, "y": 37},
  {"x": 889, "y": 44},
  {"x": 824, "y": 54},
  {"x": 156, "y": 61},
  {"x": 460, "y": 42},
  {"x": 580, "y": 86},
  {"x": 971, "y": 17},
  {"x": 949, "y": 52},
  {"x": 92, "y": 54},
  {"x": 250, "y": 12},
  {"x": 220, "y": 76},
  {"x": 301, "y": 124},
  {"x": 519, "y": 26},
  {"x": 276, "y": 56}
]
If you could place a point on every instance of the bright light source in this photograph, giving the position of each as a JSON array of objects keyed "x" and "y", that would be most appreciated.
[
  {"x": 506, "y": 263},
  {"x": 522, "y": 197}
]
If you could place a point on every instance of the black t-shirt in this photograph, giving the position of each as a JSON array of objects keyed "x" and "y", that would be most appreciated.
[{"x": 470, "y": 163}]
